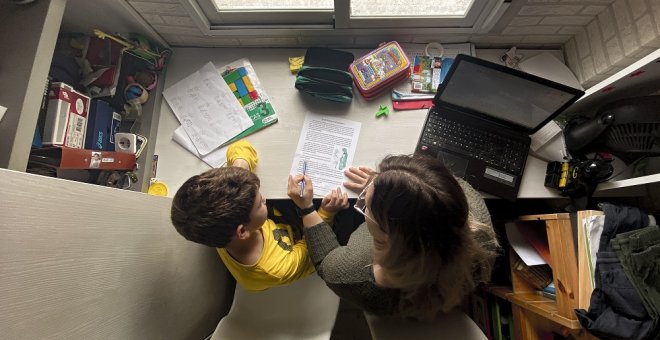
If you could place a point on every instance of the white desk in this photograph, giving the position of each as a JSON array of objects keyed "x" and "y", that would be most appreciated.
[{"x": 276, "y": 144}]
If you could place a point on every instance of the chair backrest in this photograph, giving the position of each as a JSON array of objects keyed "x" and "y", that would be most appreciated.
[
  {"x": 306, "y": 309},
  {"x": 452, "y": 325}
]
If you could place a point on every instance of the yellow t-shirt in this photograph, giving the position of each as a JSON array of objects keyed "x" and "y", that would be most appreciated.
[{"x": 281, "y": 261}]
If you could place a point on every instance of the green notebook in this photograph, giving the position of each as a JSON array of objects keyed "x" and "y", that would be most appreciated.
[{"x": 244, "y": 83}]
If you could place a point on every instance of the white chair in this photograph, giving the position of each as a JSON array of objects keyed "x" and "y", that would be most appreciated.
[
  {"x": 306, "y": 309},
  {"x": 453, "y": 325}
]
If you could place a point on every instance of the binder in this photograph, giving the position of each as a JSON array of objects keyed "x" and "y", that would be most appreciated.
[{"x": 70, "y": 158}]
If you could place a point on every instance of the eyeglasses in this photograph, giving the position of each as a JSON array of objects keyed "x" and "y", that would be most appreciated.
[{"x": 361, "y": 203}]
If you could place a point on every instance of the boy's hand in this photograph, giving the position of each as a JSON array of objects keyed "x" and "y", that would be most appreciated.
[
  {"x": 335, "y": 201},
  {"x": 359, "y": 176},
  {"x": 294, "y": 191}
]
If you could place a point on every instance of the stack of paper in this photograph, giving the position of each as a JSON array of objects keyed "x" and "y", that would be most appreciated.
[{"x": 217, "y": 108}]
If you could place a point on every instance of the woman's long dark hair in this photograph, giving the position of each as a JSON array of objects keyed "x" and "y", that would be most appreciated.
[{"x": 432, "y": 254}]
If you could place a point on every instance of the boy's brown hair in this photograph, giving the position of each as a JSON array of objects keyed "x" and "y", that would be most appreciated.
[{"x": 209, "y": 207}]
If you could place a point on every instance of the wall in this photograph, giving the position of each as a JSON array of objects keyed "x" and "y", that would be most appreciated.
[
  {"x": 26, "y": 33},
  {"x": 79, "y": 261},
  {"x": 625, "y": 32},
  {"x": 531, "y": 23},
  {"x": 600, "y": 36}
]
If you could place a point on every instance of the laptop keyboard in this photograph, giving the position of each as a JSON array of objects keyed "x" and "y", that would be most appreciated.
[{"x": 494, "y": 150}]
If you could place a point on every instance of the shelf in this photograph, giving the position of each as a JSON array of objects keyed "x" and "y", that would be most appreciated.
[
  {"x": 544, "y": 307},
  {"x": 544, "y": 217},
  {"x": 624, "y": 183},
  {"x": 502, "y": 292},
  {"x": 640, "y": 78}
]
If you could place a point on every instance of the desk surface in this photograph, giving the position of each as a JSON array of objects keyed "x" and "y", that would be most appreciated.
[{"x": 396, "y": 134}]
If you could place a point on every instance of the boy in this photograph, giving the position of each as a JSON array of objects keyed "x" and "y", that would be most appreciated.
[{"x": 223, "y": 208}]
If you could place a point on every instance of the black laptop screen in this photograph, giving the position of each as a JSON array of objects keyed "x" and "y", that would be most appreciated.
[{"x": 501, "y": 95}]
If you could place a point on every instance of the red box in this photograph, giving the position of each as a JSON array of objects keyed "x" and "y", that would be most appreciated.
[{"x": 66, "y": 117}]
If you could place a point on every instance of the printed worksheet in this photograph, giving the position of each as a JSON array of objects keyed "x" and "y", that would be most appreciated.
[
  {"x": 207, "y": 109},
  {"x": 328, "y": 145}
]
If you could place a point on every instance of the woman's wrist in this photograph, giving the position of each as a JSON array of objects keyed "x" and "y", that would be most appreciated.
[
  {"x": 311, "y": 219},
  {"x": 305, "y": 211}
]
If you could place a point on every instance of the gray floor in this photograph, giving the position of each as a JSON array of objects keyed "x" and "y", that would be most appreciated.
[{"x": 350, "y": 323}]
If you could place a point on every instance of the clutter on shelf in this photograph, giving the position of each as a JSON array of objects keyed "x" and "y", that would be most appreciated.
[{"x": 95, "y": 91}]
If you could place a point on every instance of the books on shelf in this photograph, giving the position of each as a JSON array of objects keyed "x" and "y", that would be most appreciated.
[
  {"x": 538, "y": 276},
  {"x": 549, "y": 291},
  {"x": 589, "y": 229},
  {"x": 501, "y": 320}
]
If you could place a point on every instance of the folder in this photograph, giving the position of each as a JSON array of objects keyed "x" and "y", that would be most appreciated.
[
  {"x": 412, "y": 104},
  {"x": 70, "y": 158}
]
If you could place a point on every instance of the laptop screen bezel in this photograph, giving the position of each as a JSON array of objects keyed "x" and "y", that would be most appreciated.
[{"x": 461, "y": 58}]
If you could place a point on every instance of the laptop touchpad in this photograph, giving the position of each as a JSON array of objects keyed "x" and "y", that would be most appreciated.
[{"x": 457, "y": 165}]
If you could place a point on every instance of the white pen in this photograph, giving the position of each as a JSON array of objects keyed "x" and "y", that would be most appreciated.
[{"x": 302, "y": 183}]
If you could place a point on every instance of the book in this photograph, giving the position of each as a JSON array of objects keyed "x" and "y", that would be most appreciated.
[
  {"x": 538, "y": 276},
  {"x": 404, "y": 91},
  {"x": 246, "y": 87},
  {"x": 63, "y": 157},
  {"x": 429, "y": 72},
  {"x": 496, "y": 320},
  {"x": 589, "y": 231}
]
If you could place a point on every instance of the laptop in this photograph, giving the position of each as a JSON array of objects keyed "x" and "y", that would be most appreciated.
[{"x": 481, "y": 120}]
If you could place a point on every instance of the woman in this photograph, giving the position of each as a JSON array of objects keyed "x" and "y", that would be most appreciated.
[{"x": 427, "y": 240}]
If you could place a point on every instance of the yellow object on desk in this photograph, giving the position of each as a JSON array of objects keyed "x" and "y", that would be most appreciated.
[
  {"x": 295, "y": 63},
  {"x": 158, "y": 189}
]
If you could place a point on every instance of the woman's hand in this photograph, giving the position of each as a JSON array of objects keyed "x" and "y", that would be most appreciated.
[
  {"x": 359, "y": 177},
  {"x": 335, "y": 201},
  {"x": 304, "y": 201}
]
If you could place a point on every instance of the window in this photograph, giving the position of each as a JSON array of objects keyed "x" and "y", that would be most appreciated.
[
  {"x": 269, "y": 13},
  {"x": 346, "y": 14}
]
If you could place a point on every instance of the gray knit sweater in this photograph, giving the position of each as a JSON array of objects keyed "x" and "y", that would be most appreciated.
[{"x": 348, "y": 270}]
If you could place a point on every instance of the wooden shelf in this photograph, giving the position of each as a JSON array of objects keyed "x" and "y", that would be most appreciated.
[
  {"x": 533, "y": 313},
  {"x": 502, "y": 292},
  {"x": 544, "y": 307}
]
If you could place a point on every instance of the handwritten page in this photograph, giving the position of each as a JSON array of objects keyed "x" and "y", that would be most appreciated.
[
  {"x": 207, "y": 109},
  {"x": 328, "y": 145},
  {"x": 214, "y": 159}
]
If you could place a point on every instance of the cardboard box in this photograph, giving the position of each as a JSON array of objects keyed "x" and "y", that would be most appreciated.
[
  {"x": 102, "y": 124},
  {"x": 66, "y": 117}
]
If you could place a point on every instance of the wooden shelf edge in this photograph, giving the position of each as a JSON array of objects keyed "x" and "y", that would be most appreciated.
[
  {"x": 502, "y": 292},
  {"x": 543, "y": 307},
  {"x": 560, "y": 216}
]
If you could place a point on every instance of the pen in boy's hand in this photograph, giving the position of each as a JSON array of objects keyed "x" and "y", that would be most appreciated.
[{"x": 302, "y": 183}]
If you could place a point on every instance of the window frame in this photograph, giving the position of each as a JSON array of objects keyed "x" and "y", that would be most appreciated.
[
  {"x": 343, "y": 18},
  {"x": 481, "y": 17},
  {"x": 255, "y": 19}
]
